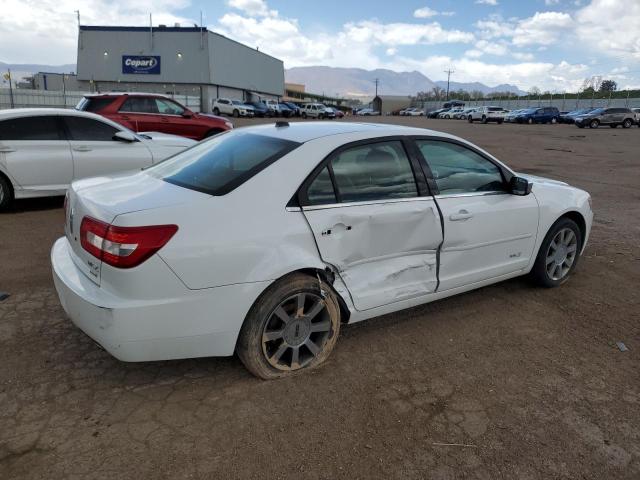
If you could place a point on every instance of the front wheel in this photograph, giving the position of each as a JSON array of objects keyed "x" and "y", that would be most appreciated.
[
  {"x": 554, "y": 120},
  {"x": 558, "y": 254},
  {"x": 594, "y": 124},
  {"x": 216, "y": 111},
  {"x": 470, "y": 119},
  {"x": 294, "y": 325},
  {"x": 530, "y": 121},
  {"x": 484, "y": 119},
  {"x": 236, "y": 113},
  {"x": 627, "y": 123},
  {"x": 6, "y": 193}
]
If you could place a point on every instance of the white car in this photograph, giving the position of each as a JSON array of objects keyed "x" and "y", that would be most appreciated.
[
  {"x": 231, "y": 107},
  {"x": 413, "y": 112},
  {"x": 317, "y": 110},
  {"x": 367, "y": 112},
  {"x": 451, "y": 113},
  {"x": 264, "y": 240},
  {"x": 42, "y": 150},
  {"x": 487, "y": 114}
]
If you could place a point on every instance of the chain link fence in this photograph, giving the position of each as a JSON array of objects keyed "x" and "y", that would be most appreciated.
[
  {"x": 563, "y": 101},
  {"x": 21, "y": 98}
]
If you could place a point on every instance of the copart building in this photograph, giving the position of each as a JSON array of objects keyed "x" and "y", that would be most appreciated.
[{"x": 175, "y": 60}]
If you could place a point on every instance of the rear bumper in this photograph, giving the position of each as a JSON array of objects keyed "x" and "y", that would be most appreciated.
[{"x": 195, "y": 323}]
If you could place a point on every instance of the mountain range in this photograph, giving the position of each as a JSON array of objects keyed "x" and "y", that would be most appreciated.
[
  {"x": 357, "y": 82},
  {"x": 332, "y": 81}
]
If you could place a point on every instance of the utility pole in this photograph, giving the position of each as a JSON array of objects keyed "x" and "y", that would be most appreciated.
[
  {"x": 8, "y": 77},
  {"x": 448, "y": 72},
  {"x": 376, "y": 81}
]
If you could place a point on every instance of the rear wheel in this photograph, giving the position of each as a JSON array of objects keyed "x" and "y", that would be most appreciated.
[
  {"x": 294, "y": 325},
  {"x": 627, "y": 123},
  {"x": 470, "y": 119},
  {"x": 554, "y": 120},
  {"x": 484, "y": 119},
  {"x": 216, "y": 111},
  {"x": 530, "y": 121},
  {"x": 236, "y": 113},
  {"x": 304, "y": 114},
  {"x": 594, "y": 124},
  {"x": 6, "y": 192},
  {"x": 558, "y": 254}
]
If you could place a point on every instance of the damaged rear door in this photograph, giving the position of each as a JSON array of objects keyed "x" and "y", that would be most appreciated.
[{"x": 375, "y": 222}]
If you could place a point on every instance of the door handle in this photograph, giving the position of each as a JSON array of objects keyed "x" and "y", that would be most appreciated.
[
  {"x": 461, "y": 215},
  {"x": 335, "y": 229},
  {"x": 6, "y": 150},
  {"x": 82, "y": 148}
]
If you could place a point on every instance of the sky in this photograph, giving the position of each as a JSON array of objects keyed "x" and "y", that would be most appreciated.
[{"x": 550, "y": 44}]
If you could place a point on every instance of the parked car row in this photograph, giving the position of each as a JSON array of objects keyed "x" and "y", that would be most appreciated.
[{"x": 593, "y": 118}]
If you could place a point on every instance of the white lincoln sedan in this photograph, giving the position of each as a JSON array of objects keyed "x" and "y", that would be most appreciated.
[
  {"x": 42, "y": 150},
  {"x": 264, "y": 240}
]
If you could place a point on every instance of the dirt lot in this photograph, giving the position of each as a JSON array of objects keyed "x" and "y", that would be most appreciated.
[{"x": 528, "y": 383}]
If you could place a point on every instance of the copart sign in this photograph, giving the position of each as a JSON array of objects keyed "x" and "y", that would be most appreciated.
[{"x": 140, "y": 65}]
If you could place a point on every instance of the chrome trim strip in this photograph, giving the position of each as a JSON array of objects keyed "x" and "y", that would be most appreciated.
[
  {"x": 470, "y": 194},
  {"x": 486, "y": 244},
  {"x": 309, "y": 208}
]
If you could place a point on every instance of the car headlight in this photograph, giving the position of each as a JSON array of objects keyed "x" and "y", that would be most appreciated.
[{"x": 590, "y": 203}]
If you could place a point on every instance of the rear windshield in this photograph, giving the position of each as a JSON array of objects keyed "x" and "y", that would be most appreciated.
[
  {"x": 221, "y": 164},
  {"x": 88, "y": 104},
  {"x": 495, "y": 109}
]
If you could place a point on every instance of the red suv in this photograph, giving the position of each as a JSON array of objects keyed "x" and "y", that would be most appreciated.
[{"x": 148, "y": 112}]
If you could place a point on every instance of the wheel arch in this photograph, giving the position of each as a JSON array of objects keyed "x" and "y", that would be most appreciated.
[
  {"x": 12, "y": 188},
  {"x": 579, "y": 219}
]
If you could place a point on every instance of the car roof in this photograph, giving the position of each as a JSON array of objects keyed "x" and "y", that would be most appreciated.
[
  {"x": 34, "y": 112},
  {"x": 305, "y": 131},
  {"x": 130, "y": 94}
]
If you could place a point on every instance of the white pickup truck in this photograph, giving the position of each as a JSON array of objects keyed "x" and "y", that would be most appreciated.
[{"x": 488, "y": 114}]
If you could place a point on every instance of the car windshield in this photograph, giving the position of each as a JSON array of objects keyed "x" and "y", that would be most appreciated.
[
  {"x": 597, "y": 111},
  {"x": 94, "y": 104},
  {"x": 219, "y": 165},
  {"x": 237, "y": 102}
]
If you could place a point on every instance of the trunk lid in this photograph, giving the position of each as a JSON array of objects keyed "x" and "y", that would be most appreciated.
[{"x": 104, "y": 198}]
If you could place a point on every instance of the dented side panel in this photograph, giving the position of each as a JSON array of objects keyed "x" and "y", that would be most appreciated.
[{"x": 384, "y": 252}]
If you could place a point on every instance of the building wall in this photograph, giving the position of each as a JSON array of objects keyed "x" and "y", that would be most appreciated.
[
  {"x": 236, "y": 65},
  {"x": 54, "y": 81},
  {"x": 187, "y": 56},
  {"x": 192, "y": 67}
]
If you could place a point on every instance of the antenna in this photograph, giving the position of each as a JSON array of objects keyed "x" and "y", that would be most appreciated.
[
  {"x": 376, "y": 81},
  {"x": 448, "y": 72}
]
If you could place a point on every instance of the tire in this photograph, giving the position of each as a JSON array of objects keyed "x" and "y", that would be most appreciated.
[
  {"x": 484, "y": 119},
  {"x": 530, "y": 121},
  {"x": 320, "y": 116},
  {"x": 500, "y": 122},
  {"x": 236, "y": 113},
  {"x": 554, "y": 120},
  {"x": 614, "y": 125},
  {"x": 627, "y": 123},
  {"x": 273, "y": 356},
  {"x": 304, "y": 114},
  {"x": 579, "y": 125},
  {"x": 470, "y": 119},
  {"x": 594, "y": 123},
  {"x": 6, "y": 193},
  {"x": 216, "y": 111},
  {"x": 550, "y": 270}
]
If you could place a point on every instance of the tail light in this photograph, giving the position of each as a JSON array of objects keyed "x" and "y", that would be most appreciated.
[{"x": 123, "y": 247}]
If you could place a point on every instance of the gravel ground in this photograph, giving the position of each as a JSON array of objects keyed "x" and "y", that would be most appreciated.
[{"x": 509, "y": 381}]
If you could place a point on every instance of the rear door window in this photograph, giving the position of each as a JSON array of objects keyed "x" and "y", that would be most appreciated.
[
  {"x": 44, "y": 127},
  {"x": 221, "y": 164},
  {"x": 379, "y": 171},
  {"x": 139, "y": 105},
  {"x": 167, "y": 107}
]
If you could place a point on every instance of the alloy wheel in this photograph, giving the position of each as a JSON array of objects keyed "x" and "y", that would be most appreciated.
[
  {"x": 296, "y": 331},
  {"x": 561, "y": 254}
]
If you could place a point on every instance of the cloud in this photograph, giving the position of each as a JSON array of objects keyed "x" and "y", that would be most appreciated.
[
  {"x": 426, "y": 12},
  {"x": 487, "y": 2},
  {"x": 610, "y": 28},
  {"x": 541, "y": 29},
  {"x": 46, "y": 31},
  {"x": 252, "y": 8}
]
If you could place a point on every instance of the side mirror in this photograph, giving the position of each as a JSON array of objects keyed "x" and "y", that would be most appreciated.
[
  {"x": 520, "y": 186},
  {"x": 123, "y": 136},
  {"x": 187, "y": 114}
]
